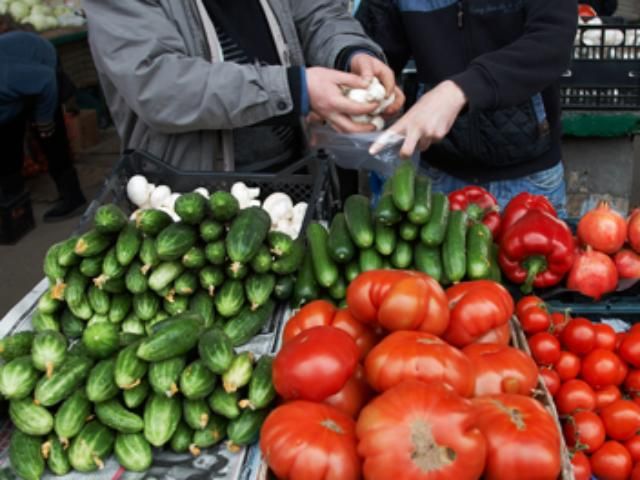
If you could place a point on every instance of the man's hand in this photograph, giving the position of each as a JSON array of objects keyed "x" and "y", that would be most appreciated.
[
  {"x": 368, "y": 67},
  {"x": 428, "y": 121}
]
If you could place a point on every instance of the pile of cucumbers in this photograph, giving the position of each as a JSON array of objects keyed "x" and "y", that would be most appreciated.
[
  {"x": 411, "y": 227},
  {"x": 182, "y": 387}
]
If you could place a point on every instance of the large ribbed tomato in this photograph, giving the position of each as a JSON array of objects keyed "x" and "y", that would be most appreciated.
[
  {"x": 353, "y": 396},
  {"x": 310, "y": 441},
  {"x": 521, "y": 437},
  {"x": 416, "y": 431},
  {"x": 418, "y": 356},
  {"x": 363, "y": 335}
]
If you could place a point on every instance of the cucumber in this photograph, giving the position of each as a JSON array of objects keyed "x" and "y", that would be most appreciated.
[
  {"x": 288, "y": 264},
  {"x": 18, "y": 378},
  {"x": 196, "y": 413},
  {"x": 385, "y": 239},
  {"x": 495, "y": 273},
  {"x": 92, "y": 243},
  {"x": 56, "y": 456},
  {"x": 230, "y": 298},
  {"x": 67, "y": 256},
  {"x": 428, "y": 260},
  {"x": 306, "y": 287},
  {"x": 341, "y": 247},
  {"x": 135, "y": 280},
  {"x": 386, "y": 211},
  {"x": 109, "y": 219},
  {"x": 247, "y": 233},
  {"x": 248, "y": 323},
  {"x": 370, "y": 259},
  {"x": 191, "y": 208},
  {"x": 338, "y": 290},
  {"x": 99, "y": 300},
  {"x": 54, "y": 272},
  {"x": 16, "y": 345},
  {"x": 225, "y": 403},
  {"x": 128, "y": 244},
  {"x": 64, "y": 381},
  {"x": 352, "y": 270},
  {"x": 386, "y": 263},
  {"x": 91, "y": 448},
  {"x": 216, "y": 350},
  {"x": 146, "y": 305},
  {"x": 408, "y": 231},
  {"x": 197, "y": 381},
  {"x": 280, "y": 243},
  {"x": 324, "y": 268},
  {"x": 403, "y": 186},
  {"x": 210, "y": 278},
  {"x": 186, "y": 284},
  {"x": 30, "y": 418},
  {"x": 245, "y": 429},
  {"x": 479, "y": 241},
  {"x": 174, "y": 241},
  {"x": 133, "y": 452},
  {"x": 71, "y": 326},
  {"x": 97, "y": 318},
  {"x": 212, "y": 434},
  {"x": 237, "y": 271},
  {"x": 115, "y": 285},
  {"x": 120, "y": 307},
  {"x": 165, "y": 374},
  {"x": 357, "y": 214},
  {"x": 101, "y": 339},
  {"x": 202, "y": 304},
  {"x": 211, "y": 231},
  {"x": 134, "y": 397},
  {"x": 72, "y": 416},
  {"x": 111, "y": 268},
  {"x": 261, "y": 391},
  {"x": 129, "y": 369},
  {"x": 283, "y": 288},
  {"x": 239, "y": 373},
  {"x": 148, "y": 255},
  {"x": 181, "y": 439},
  {"x": 433, "y": 232},
  {"x": 194, "y": 258},
  {"x": 215, "y": 252},
  {"x": 421, "y": 211},
  {"x": 258, "y": 289},
  {"x": 113, "y": 414},
  {"x": 223, "y": 206},
  {"x": 151, "y": 222},
  {"x": 263, "y": 261},
  {"x": 91, "y": 267},
  {"x": 174, "y": 339},
  {"x": 76, "y": 284},
  {"x": 403, "y": 255},
  {"x": 127, "y": 338},
  {"x": 42, "y": 322},
  {"x": 161, "y": 418},
  {"x": 176, "y": 304},
  {"x": 100, "y": 384},
  {"x": 25, "y": 456},
  {"x": 49, "y": 350},
  {"x": 454, "y": 255},
  {"x": 48, "y": 304}
]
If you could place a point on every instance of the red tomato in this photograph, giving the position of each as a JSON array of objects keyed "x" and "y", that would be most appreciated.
[
  {"x": 584, "y": 430},
  {"x": 310, "y": 441},
  {"x": 315, "y": 364},
  {"x": 601, "y": 368},
  {"x": 418, "y": 356},
  {"x": 315, "y": 314},
  {"x": 578, "y": 336},
  {"x": 353, "y": 396},
  {"x": 498, "y": 336},
  {"x": 559, "y": 320},
  {"x": 623, "y": 371},
  {"x": 567, "y": 366},
  {"x": 605, "y": 336},
  {"x": 416, "y": 431},
  {"x": 632, "y": 384},
  {"x": 575, "y": 395},
  {"x": 611, "y": 462},
  {"x": 620, "y": 336},
  {"x": 635, "y": 474},
  {"x": 545, "y": 348},
  {"x": 364, "y": 336},
  {"x": 629, "y": 349},
  {"x": 633, "y": 445},
  {"x": 606, "y": 396},
  {"x": 521, "y": 436},
  {"x": 551, "y": 380},
  {"x": 621, "y": 419},
  {"x": 533, "y": 315},
  {"x": 499, "y": 369},
  {"x": 581, "y": 466}
]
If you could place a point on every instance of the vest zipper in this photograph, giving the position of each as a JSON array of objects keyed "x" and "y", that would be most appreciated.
[{"x": 460, "y": 14}]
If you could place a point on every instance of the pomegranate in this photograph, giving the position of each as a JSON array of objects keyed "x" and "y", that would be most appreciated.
[
  {"x": 593, "y": 274},
  {"x": 633, "y": 227},
  {"x": 628, "y": 263},
  {"x": 603, "y": 229}
]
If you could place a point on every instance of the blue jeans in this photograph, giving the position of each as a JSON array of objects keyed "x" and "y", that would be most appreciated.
[{"x": 549, "y": 183}]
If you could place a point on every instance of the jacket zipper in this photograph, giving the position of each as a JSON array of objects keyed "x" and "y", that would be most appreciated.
[{"x": 460, "y": 14}]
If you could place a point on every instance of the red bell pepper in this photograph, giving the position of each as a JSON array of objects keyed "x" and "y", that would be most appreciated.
[
  {"x": 521, "y": 204},
  {"x": 479, "y": 204},
  {"x": 538, "y": 250}
]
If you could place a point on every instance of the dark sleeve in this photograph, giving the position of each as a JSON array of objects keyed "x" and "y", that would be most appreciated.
[
  {"x": 507, "y": 77},
  {"x": 382, "y": 22}
]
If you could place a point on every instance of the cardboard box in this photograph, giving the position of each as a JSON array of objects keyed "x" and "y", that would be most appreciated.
[{"x": 82, "y": 130}]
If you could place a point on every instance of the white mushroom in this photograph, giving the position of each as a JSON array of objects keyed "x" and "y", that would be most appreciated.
[
  {"x": 159, "y": 195},
  {"x": 137, "y": 190},
  {"x": 202, "y": 191},
  {"x": 278, "y": 205}
]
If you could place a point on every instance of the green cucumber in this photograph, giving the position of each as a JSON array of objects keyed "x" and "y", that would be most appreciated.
[
  {"x": 161, "y": 418},
  {"x": 385, "y": 239},
  {"x": 237, "y": 271},
  {"x": 421, "y": 211},
  {"x": 133, "y": 452},
  {"x": 91, "y": 267},
  {"x": 152, "y": 221},
  {"x": 16, "y": 345},
  {"x": 52, "y": 269},
  {"x": 25, "y": 456},
  {"x": 175, "y": 304},
  {"x": 63, "y": 382},
  {"x": 149, "y": 255},
  {"x": 99, "y": 300},
  {"x": 245, "y": 429},
  {"x": 67, "y": 256},
  {"x": 146, "y": 305},
  {"x": 324, "y": 268},
  {"x": 386, "y": 211},
  {"x": 196, "y": 413},
  {"x": 211, "y": 231},
  {"x": 164, "y": 275},
  {"x": 338, "y": 290},
  {"x": 352, "y": 270},
  {"x": 72, "y": 416},
  {"x": 357, "y": 214},
  {"x": 181, "y": 439},
  {"x": 306, "y": 287},
  {"x": 109, "y": 219},
  {"x": 91, "y": 448},
  {"x": 101, "y": 339},
  {"x": 101, "y": 385},
  {"x": 370, "y": 259},
  {"x": 134, "y": 397},
  {"x": 263, "y": 260},
  {"x": 71, "y": 326},
  {"x": 223, "y": 206},
  {"x": 283, "y": 288},
  {"x": 403, "y": 186},
  {"x": 76, "y": 284},
  {"x": 128, "y": 244},
  {"x": 261, "y": 391},
  {"x": 42, "y": 322},
  {"x": 454, "y": 250},
  {"x": 403, "y": 255},
  {"x": 113, "y": 414},
  {"x": 341, "y": 247},
  {"x": 433, "y": 232},
  {"x": 495, "y": 273},
  {"x": 288, "y": 264},
  {"x": 115, "y": 285},
  {"x": 248, "y": 323},
  {"x": 30, "y": 418},
  {"x": 216, "y": 252},
  {"x": 18, "y": 378},
  {"x": 194, "y": 258},
  {"x": 132, "y": 324},
  {"x": 230, "y": 298},
  {"x": 97, "y": 318},
  {"x": 174, "y": 241},
  {"x": 135, "y": 280},
  {"x": 48, "y": 304},
  {"x": 225, "y": 403},
  {"x": 175, "y": 338},
  {"x": 129, "y": 369},
  {"x": 408, "y": 231},
  {"x": 211, "y": 278},
  {"x": 120, "y": 307},
  {"x": 247, "y": 233},
  {"x": 239, "y": 373},
  {"x": 428, "y": 260},
  {"x": 280, "y": 243},
  {"x": 479, "y": 241},
  {"x": 191, "y": 208},
  {"x": 165, "y": 374},
  {"x": 92, "y": 243},
  {"x": 258, "y": 289},
  {"x": 216, "y": 350},
  {"x": 56, "y": 456},
  {"x": 202, "y": 304},
  {"x": 186, "y": 284},
  {"x": 212, "y": 434},
  {"x": 111, "y": 268},
  {"x": 197, "y": 381},
  {"x": 49, "y": 350}
]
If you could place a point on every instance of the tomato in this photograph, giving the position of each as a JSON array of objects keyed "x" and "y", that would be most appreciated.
[
  {"x": 620, "y": 336},
  {"x": 584, "y": 430},
  {"x": 629, "y": 349},
  {"x": 476, "y": 308},
  {"x": 498, "y": 336},
  {"x": 606, "y": 396},
  {"x": 621, "y": 419},
  {"x": 623, "y": 371},
  {"x": 310, "y": 441},
  {"x": 533, "y": 315},
  {"x": 581, "y": 466},
  {"x": 601, "y": 368},
  {"x": 499, "y": 369},
  {"x": 551, "y": 379},
  {"x": 611, "y": 462},
  {"x": 521, "y": 436},
  {"x": 418, "y": 356},
  {"x": 315, "y": 314},
  {"x": 633, "y": 445},
  {"x": 578, "y": 336},
  {"x": 315, "y": 364},
  {"x": 632, "y": 384},
  {"x": 545, "y": 348},
  {"x": 575, "y": 395},
  {"x": 605, "y": 336},
  {"x": 567, "y": 366},
  {"x": 416, "y": 431},
  {"x": 635, "y": 474},
  {"x": 559, "y": 320},
  {"x": 364, "y": 336},
  {"x": 353, "y": 396}
]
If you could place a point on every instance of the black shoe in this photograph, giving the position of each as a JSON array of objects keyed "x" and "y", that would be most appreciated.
[{"x": 71, "y": 202}]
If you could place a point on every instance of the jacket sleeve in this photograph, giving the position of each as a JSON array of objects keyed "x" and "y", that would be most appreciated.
[
  {"x": 137, "y": 46},
  {"x": 31, "y": 80},
  {"x": 508, "y": 76},
  {"x": 325, "y": 29}
]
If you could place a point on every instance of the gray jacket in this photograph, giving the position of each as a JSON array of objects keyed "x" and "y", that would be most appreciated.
[{"x": 171, "y": 94}]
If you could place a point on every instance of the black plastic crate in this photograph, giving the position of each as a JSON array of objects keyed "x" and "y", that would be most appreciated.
[{"x": 16, "y": 218}]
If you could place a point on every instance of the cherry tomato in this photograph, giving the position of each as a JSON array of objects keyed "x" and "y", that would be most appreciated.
[
  {"x": 533, "y": 315},
  {"x": 606, "y": 396},
  {"x": 581, "y": 466},
  {"x": 632, "y": 384},
  {"x": 635, "y": 474},
  {"x": 620, "y": 336},
  {"x": 584, "y": 430},
  {"x": 611, "y": 462},
  {"x": 629, "y": 348},
  {"x": 623, "y": 371},
  {"x": 605, "y": 336},
  {"x": 575, "y": 395},
  {"x": 567, "y": 366},
  {"x": 633, "y": 445},
  {"x": 621, "y": 419},
  {"x": 578, "y": 336},
  {"x": 545, "y": 348},
  {"x": 559, "y": 320},
  {"x": 601, "y": 368},
  {"x": 551, "y": 380}
]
